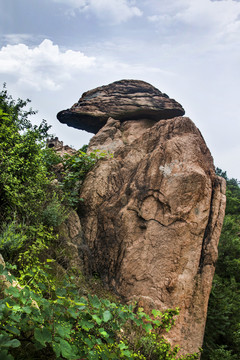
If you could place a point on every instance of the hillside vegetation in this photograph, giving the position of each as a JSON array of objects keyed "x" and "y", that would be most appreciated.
[
  {"x": 222, "y": 335},
  {"x": 44, "y": 311},
  {"x": 51, "y": 311}
]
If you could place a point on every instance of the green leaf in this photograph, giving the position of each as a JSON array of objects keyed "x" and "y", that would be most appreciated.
[
  {"x": 64, "y": 330},
  {"x": 156, "y": 313},
  {"x": 97, "y": 319},
  {"x": 147, "y": 327},
  {"x": 42, "y": 335},
  {"x": 103, "y": 333},
  {"x": 12, "y": 329},
  {"x": 122, "y": 346},
  {"x": 61, "y": 292},
  {"x": 13, "y": 291},
  {"x": 127, "y": 353},
  {"x": 9, "y": 306},
  {"x": 15, "y": 317},
  {"x": 138, "y": 322},
  {"x": 6, "y": 342},
  {"x": 94, "y": 301},
  {"x": 27, "y": 309},
  {"x": 67, "y": 350},
  {"x": 57, "y": 348},
  {"x": 86, "y": 325},
  {"x": 73, "y": 313},
  {"x": 5, "y": 356},
  {"x": 107, "y": 316},
  {"x": 14, "y": 343},
  {"x": 89, "y": 342}
]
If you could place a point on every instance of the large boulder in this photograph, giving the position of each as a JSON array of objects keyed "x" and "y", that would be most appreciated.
[
  {"x": 153, "y": 211},
  {"x": 122, "y": 100},
  {"x": 152, "y": 218}
]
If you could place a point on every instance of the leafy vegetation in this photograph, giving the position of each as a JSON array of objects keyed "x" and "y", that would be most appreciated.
[
  {"x": 75, "y": 169},
  {"x": 222, "y": 336},
  {"x": 68, "y": 327},
  {"x": 43, "y": 316},
  {"x": 23, "y": 175}
]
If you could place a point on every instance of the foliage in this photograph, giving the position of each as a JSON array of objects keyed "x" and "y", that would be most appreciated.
[
  {"x": 222, "y": 336},
  {"x": 54, "y": 212},
  {"x": 223, "y": 354},
  {"x": 32, "y": 270},
  {"x": 76, "y": 168},
  {"x": 232, "y": 193},
  {"x": 44, "y": 317},
  {"x": 23, "y": 174},
  {"x": 50, "y": 158},
  {"x": 19, "y": 116},
  {"x": 12, "y": 239},
  {"x": 66, "y": 327}
]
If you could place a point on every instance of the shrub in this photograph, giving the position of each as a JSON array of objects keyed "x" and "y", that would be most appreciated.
[
  {"x": 12, "y": 239},
  {"x": 76, "y": 168},
  {"x": 68, "y": 327},
  {"x": 23, "y": 174},
  {"x": 54, "y": 212}
]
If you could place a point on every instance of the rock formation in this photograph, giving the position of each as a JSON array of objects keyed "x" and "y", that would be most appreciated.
[
  {"x": 122, "y": 100},
  {"x": 152, "y": 214},
  {"x": 57, "y": 145}
]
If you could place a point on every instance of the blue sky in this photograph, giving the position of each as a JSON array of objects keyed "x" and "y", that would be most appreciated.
[{"x": 52, "y": 51}]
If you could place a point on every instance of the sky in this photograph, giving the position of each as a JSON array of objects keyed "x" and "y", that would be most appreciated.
[{"x": 51, "y": 51}]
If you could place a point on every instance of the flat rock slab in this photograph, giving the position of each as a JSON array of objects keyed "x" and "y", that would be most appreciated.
[{"x": 122, "y": 100}]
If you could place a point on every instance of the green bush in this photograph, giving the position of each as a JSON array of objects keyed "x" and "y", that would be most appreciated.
[
  {"x": 33, "y": 261},
  {"x": 68, "y": 327},
  {"x": 12, "y": 239},
  {"x": 223, "y": 354},
  {"x": 54, "y": 212},
  {"x": 222, "y": 337},
  {"x": 76, "y": 168},
  {"x": 23, "y": 174}
]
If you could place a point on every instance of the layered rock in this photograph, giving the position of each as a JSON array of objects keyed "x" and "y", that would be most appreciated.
[
  {"x": 122, "y": 100},
  {"x": 152, "y": 217}
]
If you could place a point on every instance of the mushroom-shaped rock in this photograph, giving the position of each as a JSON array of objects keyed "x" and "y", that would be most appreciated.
[{"x": 122, "y": 100}]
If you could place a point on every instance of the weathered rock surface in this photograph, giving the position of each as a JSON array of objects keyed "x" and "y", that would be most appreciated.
[
  {"x": 152, "y": 218},
  {"x": 70, "y": 240},
  {"x": 122, "y": 100}
]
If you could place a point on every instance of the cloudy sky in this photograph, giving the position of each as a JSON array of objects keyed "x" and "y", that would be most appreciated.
[{"x": 52, "y": 51}]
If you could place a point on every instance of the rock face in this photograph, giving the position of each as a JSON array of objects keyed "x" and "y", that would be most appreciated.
[
  {"x": 152, "y": 218},
  {"x": 122, "y": 100}
]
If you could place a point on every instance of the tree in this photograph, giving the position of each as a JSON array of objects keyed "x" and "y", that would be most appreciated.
[
  {"x": 222, "y": 336},
  {"x": 23, "y": 173}
]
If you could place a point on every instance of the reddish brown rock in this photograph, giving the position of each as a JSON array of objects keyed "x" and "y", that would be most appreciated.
[
  {"x": 152, "y": 218},
  {"x": 122, "y": 100}
]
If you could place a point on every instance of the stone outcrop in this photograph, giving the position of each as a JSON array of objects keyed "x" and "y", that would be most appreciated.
[
  {"x": 152, "y": 216},
  {"x": 70, "y": 242},
  {"x": 60, "y": 149},
  {"x": 122, "y": 100}
]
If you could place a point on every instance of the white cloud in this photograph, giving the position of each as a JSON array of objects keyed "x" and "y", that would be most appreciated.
[
  {"x": 114, "y": 11},
  {"x": 219, "y": 21},
  {"x": 47, "y": 67},
  {"x": 205, "y": 12},
  {"x": 44, "y": 66}
]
